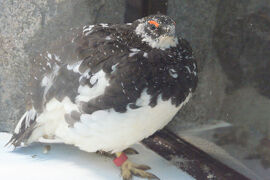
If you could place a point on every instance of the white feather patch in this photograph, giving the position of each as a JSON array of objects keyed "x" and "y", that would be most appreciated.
[
  {"x": 134, "y": 52},
  {"x": 108, "y": 38},
  {"x": 104, "y": 25},
  {"x": 114, "y": 67},
  {"x": 75, "y": 67},
  {"x": 145, "y": 55},
  {"x": 48, "y": 80},
  {"x": 88, "y": 29},
  {"x": 173, "y": 73},
  {"x": 99, "y": 81}
]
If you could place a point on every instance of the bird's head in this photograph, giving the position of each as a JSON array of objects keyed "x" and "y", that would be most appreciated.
[{"x": 158, "y": 31}]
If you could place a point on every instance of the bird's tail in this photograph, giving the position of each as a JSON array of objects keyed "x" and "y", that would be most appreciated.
[{"x": 24, "y": 128}]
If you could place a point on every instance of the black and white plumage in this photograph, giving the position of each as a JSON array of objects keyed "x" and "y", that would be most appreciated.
[{"x": 121, "y": 83}]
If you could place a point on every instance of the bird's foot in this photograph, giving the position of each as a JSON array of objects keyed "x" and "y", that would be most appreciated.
[
  {"x": 129, "y": 169},
  {"x": 128, "y": 151}
]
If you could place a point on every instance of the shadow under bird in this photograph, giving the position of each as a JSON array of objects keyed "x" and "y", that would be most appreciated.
[{"x": 112, "y": 86}]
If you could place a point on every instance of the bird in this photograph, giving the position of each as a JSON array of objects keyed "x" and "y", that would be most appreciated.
[{"x": 115, "y": 85}]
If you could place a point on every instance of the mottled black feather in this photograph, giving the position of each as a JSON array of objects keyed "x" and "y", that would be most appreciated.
[{"x": 151, "y": 73}]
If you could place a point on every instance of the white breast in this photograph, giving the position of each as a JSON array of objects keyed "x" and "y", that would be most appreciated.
[{"x": 113, "y": 131}]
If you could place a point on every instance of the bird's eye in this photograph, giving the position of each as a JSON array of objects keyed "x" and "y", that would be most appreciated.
[{"x": 154, "y": 25}]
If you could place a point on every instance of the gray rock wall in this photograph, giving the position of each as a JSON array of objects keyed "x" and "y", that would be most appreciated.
[{"x": 232, "y": 45}]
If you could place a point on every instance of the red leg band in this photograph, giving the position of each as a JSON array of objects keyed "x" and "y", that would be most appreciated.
[{"x": 120, "y": 160}]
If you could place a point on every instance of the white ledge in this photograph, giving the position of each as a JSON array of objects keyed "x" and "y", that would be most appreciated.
[{"x": 69, "y": 163}]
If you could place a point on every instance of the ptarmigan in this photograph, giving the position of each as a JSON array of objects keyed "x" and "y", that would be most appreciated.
[{"x": 126, "y": 82}]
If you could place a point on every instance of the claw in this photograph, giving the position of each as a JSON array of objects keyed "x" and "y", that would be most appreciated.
[
  {"x": 143, "y": 174},
  {"x": 129, "y": 169},
  {"x": 143, "y": 167}
]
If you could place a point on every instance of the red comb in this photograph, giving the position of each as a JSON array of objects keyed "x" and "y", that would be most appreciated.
[{"x": 153, "y": 22}]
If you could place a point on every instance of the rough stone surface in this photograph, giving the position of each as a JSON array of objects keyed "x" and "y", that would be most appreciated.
[
  {"x": 241, "y": 41},
  {"x": 231, "y": 42},
  {"x": 29, "y": 27}
]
